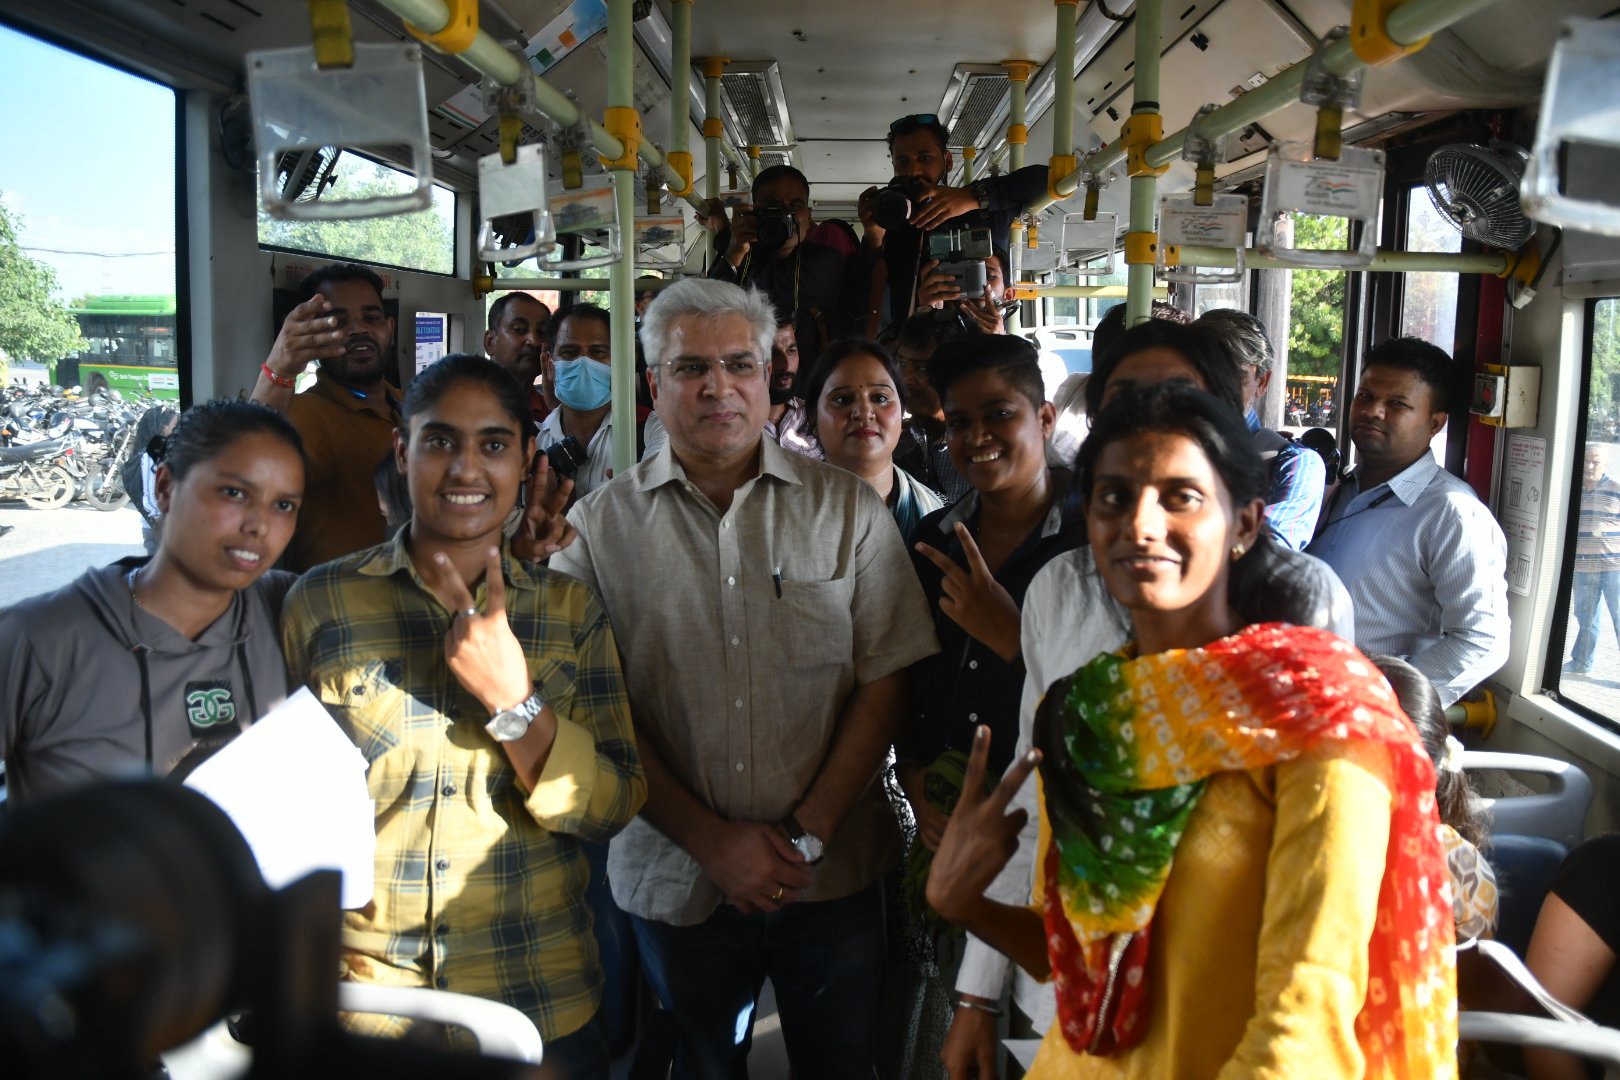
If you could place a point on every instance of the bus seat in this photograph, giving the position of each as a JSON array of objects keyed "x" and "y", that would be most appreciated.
[
  {"x": 1593, "y": 1042},
  {"x": 501, "y": 1031},
  {"x": 1558, "y": 814},
  {"x": 1492, "y": 978},
  {"x": 1524, "y": 867}
]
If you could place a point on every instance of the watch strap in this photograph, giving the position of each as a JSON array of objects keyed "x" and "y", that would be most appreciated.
[{"x": 794, "y": 829}]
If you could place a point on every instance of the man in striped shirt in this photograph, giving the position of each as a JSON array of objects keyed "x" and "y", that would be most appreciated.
[
  {"x": 1424, "y": 560},
  {"x": 1597, "y": 558}
]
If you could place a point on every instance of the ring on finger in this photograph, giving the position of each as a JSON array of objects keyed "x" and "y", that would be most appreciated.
[
  {"x": 470, "y": 613},
  {"x": 776, "y": 898}
]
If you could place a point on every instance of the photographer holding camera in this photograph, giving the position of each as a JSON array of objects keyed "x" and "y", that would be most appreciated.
[
  {"x": 769, "y": 250},
  {"x": 899, "y": 217}
]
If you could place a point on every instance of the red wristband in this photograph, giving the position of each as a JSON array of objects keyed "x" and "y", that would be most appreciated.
[{"x": 286, "y": 382}]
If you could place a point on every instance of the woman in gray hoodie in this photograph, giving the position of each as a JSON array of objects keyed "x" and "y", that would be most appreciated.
[{"x": 138, "y": 665}]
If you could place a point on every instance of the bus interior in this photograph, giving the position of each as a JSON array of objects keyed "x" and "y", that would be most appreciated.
[{"x": 1479, "y": 207}]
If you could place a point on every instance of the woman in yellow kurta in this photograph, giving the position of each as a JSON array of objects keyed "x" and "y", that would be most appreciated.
[{"x": 1239, "y": 873}]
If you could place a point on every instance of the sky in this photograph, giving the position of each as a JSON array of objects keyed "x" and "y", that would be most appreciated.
[{"x": 89, "y": 167}]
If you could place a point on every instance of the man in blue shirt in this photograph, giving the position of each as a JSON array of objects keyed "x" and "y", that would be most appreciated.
[
  {"x": 1424, "y": 560},
  {"x": 1597, "y": 559},
  {"x": 1298, "y": 476}
]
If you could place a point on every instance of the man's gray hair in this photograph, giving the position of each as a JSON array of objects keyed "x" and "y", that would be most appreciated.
[
  {"x": 1243, "y": 335},
  {"x": 707, "y": 300}
]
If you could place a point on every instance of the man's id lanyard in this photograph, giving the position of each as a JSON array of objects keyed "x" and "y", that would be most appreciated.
[{"x": 1375, "y": 504}]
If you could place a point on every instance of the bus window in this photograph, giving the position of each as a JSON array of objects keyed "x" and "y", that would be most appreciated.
[
  {"x": 1429, "y": 301},
  {"x": 107, "y": 241},
  {"x": 1586, "y": 672},
  {"x": 423, "y": 241},
  {"x": 87, "y": 254},
  {"x": 1316, "y": 309}
]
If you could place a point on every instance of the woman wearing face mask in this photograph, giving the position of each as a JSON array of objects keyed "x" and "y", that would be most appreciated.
[
  {"x": 1240, "y": 872},
  {"x": 579, "y": 372},
  {"x": 139, "y": 664},
  {"x": 858, "y": 403}
]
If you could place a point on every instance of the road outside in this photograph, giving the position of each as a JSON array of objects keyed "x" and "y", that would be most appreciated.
[{"x": 46, "y": 549}]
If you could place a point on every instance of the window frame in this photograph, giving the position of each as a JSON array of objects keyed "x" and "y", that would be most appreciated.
[
  {"x": 455, "y": 207},
  {"x": 1552, "y": 671}
]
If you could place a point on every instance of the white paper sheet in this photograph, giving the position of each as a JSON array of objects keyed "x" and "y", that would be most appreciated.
[
  {"x": 296, "y": 787},
  {"x": 1022, "y": 1051}
]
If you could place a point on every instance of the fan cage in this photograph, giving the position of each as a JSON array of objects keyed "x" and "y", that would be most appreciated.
[{"x": 1477, "y": 190}]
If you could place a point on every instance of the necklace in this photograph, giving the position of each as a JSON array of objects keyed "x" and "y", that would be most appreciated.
[{"x": 129, "y": 579}]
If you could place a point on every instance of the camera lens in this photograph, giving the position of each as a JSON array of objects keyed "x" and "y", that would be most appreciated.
[{"x": 891, "y": 207}]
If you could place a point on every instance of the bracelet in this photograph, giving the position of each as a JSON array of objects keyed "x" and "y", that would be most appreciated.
[
  {"x": 286, "y": 382},
  {"x": 964, "y": 1003}
]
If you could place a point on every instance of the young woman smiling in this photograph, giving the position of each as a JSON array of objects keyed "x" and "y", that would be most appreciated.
[
  {"x": 138, "y": 664},
  {"x": 1239, "y": 873},
  {"x": 857, "y": 399}
]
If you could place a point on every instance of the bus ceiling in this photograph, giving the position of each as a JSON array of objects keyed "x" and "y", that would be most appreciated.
[{"x": 817, "y": 87}]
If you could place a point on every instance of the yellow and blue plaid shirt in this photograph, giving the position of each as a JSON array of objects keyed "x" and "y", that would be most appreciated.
[{"x": 480, "y": 885}]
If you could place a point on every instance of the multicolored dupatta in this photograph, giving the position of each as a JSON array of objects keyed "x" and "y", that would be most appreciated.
[{"x": 1129, "y": 745}]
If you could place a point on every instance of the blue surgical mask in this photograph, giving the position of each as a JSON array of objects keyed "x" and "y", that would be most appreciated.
[{"x": 583, "y": 383}]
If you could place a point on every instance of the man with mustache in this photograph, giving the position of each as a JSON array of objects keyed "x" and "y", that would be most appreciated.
[
  {"x": 516, "y": 340},
  {"x": 1424, "y": 560},
  {"x": 346, "y": 418}
]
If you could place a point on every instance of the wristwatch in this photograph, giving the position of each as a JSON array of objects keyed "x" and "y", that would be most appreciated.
[
  {"x": 512, "y": 724},
  {"x": 981, "y": 192},
  {"x": 807, "y": 844}
]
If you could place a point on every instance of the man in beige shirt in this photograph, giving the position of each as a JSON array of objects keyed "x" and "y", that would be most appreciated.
[{"x": 766, "y": 611}]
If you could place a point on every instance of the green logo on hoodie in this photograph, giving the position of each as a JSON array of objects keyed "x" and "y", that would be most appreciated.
[{"x": 210, "y": 706}]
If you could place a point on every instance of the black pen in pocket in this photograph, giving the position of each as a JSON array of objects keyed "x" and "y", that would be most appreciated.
[{"x": 776, "y": 577}]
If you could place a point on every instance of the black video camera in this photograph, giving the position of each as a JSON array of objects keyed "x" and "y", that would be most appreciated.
[
  {"x": 566, "y": 457},
  {"x": 962, "y": 254},
  {"x": 891, "y": 206},
  {"x": 773, "y": 225}
]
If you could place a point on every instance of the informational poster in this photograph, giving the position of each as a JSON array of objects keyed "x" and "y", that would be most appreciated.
[
  {"x": 429, "y": 338},
  {"x": 574, "y": 25},
  {"x": 1519, "y": 507}
]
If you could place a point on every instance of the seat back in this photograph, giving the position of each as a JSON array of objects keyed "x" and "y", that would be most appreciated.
[
  {"x": 1524, "y": 867},
  {"x": 1558, "y": 814}
]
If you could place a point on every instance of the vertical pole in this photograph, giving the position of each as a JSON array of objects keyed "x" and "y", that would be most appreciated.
[
  {"x": 968, "y": 154},
  {"x": 1063, "y": 79},
  {"x": 621, "y": 278},
  {"x": 1273, "y": 301},
  {"x": 753, "y": 161},
  {"x": 1144, "y": 189},
  {"x": 713, "y": 127},
  {"x": 680, "y": 66},
  {"x": 1017, "y": 133}
]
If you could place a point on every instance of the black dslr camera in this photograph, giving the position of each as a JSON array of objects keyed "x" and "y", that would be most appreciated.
[
  {"x": 773, "y": 224},
  {"x": 891, "y": 206},
  {"x": 566, "y": 457},
  {"x": 962, "y": 254}
]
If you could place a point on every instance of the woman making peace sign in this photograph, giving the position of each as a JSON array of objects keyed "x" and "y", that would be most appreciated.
[
  {"x": 1239, "y": 873},
  {"x": 486, "y": 696}
]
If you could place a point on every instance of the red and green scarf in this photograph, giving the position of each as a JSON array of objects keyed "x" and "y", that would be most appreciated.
[{"x": 1130, "y": 744}]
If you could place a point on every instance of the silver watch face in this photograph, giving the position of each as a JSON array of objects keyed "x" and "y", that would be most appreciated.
[
  {"x": 809, "y": 846},
  {"x": 508, "y": 725}
]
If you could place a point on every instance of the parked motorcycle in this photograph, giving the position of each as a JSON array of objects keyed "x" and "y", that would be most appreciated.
[{"x": 30, "y": 472}]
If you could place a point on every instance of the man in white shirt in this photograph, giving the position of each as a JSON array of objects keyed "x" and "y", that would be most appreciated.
[
  {"x": 1424, "y": 560},
  {"x": 580, "y": 372}
]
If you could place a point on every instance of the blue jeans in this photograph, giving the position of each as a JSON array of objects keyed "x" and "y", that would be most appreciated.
[
  {"x": 616, "y": 945},
  {"x": 1591, "y": 587},
  {"x": 579, "y": 1055},
  {"x": 824, "y": 959}
]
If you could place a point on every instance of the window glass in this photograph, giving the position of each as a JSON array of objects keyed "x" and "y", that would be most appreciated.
[
  {"x": 424, "y": 240},
  {"x": 1590, "y": 664},
  {"x": 87, "y": 288},
  {"x": 1316, "y": 307},
  {"x": 1429, "y": 301}
]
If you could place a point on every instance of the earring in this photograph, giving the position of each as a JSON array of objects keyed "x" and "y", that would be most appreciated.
[
  {"x": 1237, "y": 552},
  {"x": 523, "y": 495}
]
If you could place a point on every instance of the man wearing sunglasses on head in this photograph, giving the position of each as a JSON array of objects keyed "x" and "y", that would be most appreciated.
[{"x": 900, "y": 228}]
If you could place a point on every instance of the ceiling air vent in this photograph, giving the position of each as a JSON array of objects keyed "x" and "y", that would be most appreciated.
[
  {"x": 751, "y": 95},
  {"x": 969, "y": 107}
]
